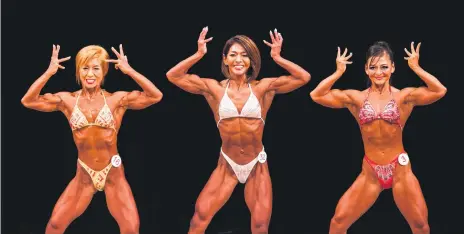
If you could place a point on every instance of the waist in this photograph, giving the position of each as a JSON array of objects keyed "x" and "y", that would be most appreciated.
[
  {"x": 242, "y": 155},
  {"x": 383, "y": 157},
  {"x": 96, "y": 160},
  {"x": 101, "y": 141},
  {"x": 240, "y": 120},
  {"x": 382, "y": 139}
]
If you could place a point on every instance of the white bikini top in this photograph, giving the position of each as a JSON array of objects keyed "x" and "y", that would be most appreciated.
[{"x": 251, "y": 109}]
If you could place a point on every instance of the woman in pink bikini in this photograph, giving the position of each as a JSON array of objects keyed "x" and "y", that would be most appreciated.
[
  {"x": 95, "y": 117},
  {"x": 239, "y": 104},
  {"x": 382, "y": 111}
]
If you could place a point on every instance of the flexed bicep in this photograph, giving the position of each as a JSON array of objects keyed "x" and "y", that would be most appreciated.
[
  {"x": 191, "y": 83},
  {"x": 46, "y": 103},
  {"x": 335, "y": 98},
  {"x": 179, "y": 76}
]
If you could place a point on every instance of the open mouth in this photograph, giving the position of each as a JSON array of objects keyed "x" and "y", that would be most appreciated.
[
  {"x": 90, "y": 81},
  {"x": 238, "y": 67}
]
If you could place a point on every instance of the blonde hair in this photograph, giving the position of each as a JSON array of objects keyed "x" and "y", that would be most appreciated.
[{"x": 90, "y": 52}]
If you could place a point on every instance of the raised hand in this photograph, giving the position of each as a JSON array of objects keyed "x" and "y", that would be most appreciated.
[
  {"x": 121, "y": 63},
  {"x": 202, "y": 41},
  {"x": 413, "y": 56},
  {"x": 276, "y": 45},
  {"x": 342, "y": 60},
  {"x": 55, "y": 62}
]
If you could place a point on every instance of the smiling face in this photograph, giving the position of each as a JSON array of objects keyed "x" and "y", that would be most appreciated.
[
  {"x": 91, "y": 67},
  {"x": 240, "y": 58},
  {"x": 380, "y": 63},
  {"x": 91, "y": 74},
  {"x": 237, "y": 61},
  {"x": 379, "y": 69}
]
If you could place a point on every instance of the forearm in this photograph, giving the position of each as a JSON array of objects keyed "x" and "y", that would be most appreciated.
[
  {"x": 326, "y": 85},
  {"x": 182, "y": 68},
  {"x": 433, "y": 84},
  {"x": 33, "y": 92},
  {"x": 147, "y": 86},
  {"x": 296, "y": 71}
]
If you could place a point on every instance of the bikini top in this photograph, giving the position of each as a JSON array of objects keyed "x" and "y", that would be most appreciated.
[
  {"x": 104, "y": 118},
  {"x": 390, "y": 112},
  {"x": 251, "y": 109}
]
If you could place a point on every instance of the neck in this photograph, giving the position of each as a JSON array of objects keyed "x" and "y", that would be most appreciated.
[
  {"x": 90, "y": 93},
  {"x": 238, "y": 82},
  {"x": 380, "y": 88}
]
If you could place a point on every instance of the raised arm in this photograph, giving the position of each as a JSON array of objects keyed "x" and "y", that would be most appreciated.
[
  {"x": 324, "y": 95},
  {"x": 433, "y": 91},
  {"x": 47, "y": 102},
  {"x": 284, "y": 84},
  {"x": 190, "y": 82},
  {"x": 135, "y": 99}
]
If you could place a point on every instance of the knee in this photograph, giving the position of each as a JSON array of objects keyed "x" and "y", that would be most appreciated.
[
  {"x": 260, "y": 228},
  {"x": 420, "y": 226},
  {"x": 260, "y": 225},
  {"x": 55, "y": 225},
  {"x": 339, "y": 221},
  {"x": 131, "y": 227},
  {"x": 201, "y": 212}
]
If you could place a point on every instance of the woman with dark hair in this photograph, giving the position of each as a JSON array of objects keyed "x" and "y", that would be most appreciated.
[
  {"x": 239, "y": 104},
  {"x": 381, "y": 111}
]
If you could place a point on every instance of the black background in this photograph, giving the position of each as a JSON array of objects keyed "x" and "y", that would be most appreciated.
[{"x": 171, "y": 148}]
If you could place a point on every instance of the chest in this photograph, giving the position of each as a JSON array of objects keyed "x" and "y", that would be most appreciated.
[{"x": 238, "y": 99}]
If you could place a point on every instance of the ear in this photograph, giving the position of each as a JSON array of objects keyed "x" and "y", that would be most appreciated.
[
  {"x": 224, "y": 59},
  {"x": 366, "y": 69},
  {"x": 393, "y": 67}
]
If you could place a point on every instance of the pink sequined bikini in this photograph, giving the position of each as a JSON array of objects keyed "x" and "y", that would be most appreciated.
[{"x": 391, "y": 114}]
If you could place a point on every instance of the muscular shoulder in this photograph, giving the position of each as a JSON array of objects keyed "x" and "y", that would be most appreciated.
[
  {"x": 116, "y": 95},
  {"x": 223, "y": 83},
  {"x": 64, "y": 95},
  {"x": 353, "y": 94}
]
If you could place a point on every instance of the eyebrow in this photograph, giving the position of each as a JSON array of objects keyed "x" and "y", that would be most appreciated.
[
  {"x": 382, "y": 64},
  {"x": 233, "y": 51}
]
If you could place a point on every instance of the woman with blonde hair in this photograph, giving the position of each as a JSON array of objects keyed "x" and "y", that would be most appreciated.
[{"x": 95, "y": 117}]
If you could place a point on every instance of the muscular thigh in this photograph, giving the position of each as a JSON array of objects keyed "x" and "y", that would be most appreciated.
[
  {"x": 258, "y": 189},
  {"x": 217, "y": 190},
  {"x": 360, "y": 196},
  {"x": 119, "y": 196},
  {"x": 75, "y": 198},
  {"x": 407, "y": 193}
]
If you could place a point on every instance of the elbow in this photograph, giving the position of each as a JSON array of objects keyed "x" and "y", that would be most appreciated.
[
  {"x": 157, "y": 98},
  {"x": 312, "y": 94},
  {"x": 443, "y": 92},
  {"x": 306, "y": 77},
  {"x": 25, "y": 103},
  {"x": 170, "y": 76}
]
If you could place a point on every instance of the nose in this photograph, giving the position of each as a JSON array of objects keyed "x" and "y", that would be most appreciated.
[
  {"x": 238, "y": 58},
  {"x": 378, "y": 71}
]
